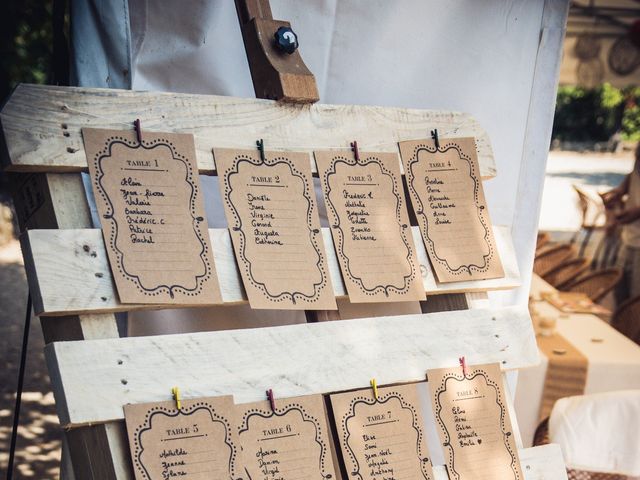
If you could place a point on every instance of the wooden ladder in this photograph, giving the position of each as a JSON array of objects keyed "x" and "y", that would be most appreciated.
[{"x": 94, "y": 372}]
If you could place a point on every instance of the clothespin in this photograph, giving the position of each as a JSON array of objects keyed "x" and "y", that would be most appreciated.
[
  {"x": 136, "y": 125},
  {"x": 272, "y": 401},
  {"x": 175, "y": 391},
  {"x": 260, "y": 145},
  {"x": 354, "y": 149},
  {"x": 434, "y": 135},
  {"x": 463, "y": 364},
  {"x": 374, "y": 385}
]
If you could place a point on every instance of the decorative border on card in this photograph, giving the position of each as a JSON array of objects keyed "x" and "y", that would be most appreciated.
[
  {"x": 409, "y": 278},
  {"x": 172, "y": 413},
  {"x": 506, "y": 434},
  {"x": 313, "y": 232},
  {"x": 463, "y": 268},
  {"x": 106, "y": 153},
  {"x": 281, "y": 412},
  {"x": 384, "y": 398}
]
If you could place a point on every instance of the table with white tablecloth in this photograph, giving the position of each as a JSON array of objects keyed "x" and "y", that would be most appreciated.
[{"x": 613, "y": 359}]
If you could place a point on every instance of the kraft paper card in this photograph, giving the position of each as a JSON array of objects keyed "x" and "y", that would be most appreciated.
[
  {"x": 473, "y": 423},
  {"x": 291, "y": 442},
  {"x": 447, "y": 196},
  {"x": 382, "y": 438},
  {"x": 370, "y": 226},
  {"x": 153, "y": 221},
  {"x": 196, "y": 443},
  {"x": 273, "y": 220}
]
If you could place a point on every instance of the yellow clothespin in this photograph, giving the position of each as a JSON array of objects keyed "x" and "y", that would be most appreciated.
[
  {"x": 175, "y": 391},
  {"x": 374, "y": 385}
]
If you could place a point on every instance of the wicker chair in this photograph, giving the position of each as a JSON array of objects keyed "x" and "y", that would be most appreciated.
[
  {"x": 542, "y": 240},
  {"x": 541, "y": 437},
  {"x": 596, "y": 284},
  {"x": 626, "y": 319},
  {"x": 549, "y": 258},
  {"x": 567, "y": 272},
  {"x": 593, "y": 216}
]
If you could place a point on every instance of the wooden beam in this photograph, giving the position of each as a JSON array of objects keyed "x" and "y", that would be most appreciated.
[
  {"x": 41, "y": 125},
  {"x": 276, "y": 75},
  {"x": 93, "y": 451},
  {"x": 51, "y": 201},
  {"x": 93, "y": 379},
  {"x": 537, "y": 138},
  {"x": 68, "y": 271},
  {"x": 249, "y": 9}
]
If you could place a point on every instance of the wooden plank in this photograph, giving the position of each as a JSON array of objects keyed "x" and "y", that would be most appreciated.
[
  {"x": 538, "y": 137},
  {"x": 94, "y": 448},
  {"x": 77, "y": 277},
  {"x": 93, "y": 379},
  {"x": 445, "y": 303},
  {"x": 66, "y": 467},
  {"x": 276, "y": 75},
  {"x": 58, "y": 201},
  {"x": 248, "y": 9},
  {"x": 50, "y": 201},
  {"x": 88, "y": 326},
  {"x": 41, "y": 124},
  {"x": 91, "y": 326}
]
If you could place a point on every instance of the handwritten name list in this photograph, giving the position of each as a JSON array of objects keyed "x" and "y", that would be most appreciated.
[
  {"x": 446, "y": 192},
  {"x": 382, "y": 439},
  {"x": 273, "y": 220},
  {"x": 153, "y": 221},
  {"x": 195, "y": 443},
  {"x": 288, "y": 443},
  {"x": 474, "y": 423},
  {"x": 370, "y": 226}
]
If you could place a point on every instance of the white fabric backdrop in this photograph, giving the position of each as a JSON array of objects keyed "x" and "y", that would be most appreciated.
[{"x": 465, "y": 55}]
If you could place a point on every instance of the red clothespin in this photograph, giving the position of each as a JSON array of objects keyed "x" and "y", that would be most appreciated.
[
  {"x": 463, "y": 364},
  {"x": 136, "y": 125},
  {"x": 354, "y": 149},
  {"x": 272, "y": 401}
]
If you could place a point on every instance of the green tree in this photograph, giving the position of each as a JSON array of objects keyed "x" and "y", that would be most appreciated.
[
  {"x": 27, "y": 43},
  {"x": 597, "y": 114}
]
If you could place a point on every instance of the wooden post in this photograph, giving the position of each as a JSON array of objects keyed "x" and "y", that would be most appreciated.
[
  {"x": 276, "y": 75},
  {"x": 57, "y": 200}
]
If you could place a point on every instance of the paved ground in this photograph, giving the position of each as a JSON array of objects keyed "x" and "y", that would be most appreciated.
[
  {"x": 39, "y": 438},
  {"x": 39, "y": 442}
]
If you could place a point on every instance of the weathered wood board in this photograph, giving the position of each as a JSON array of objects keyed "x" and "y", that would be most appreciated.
[
  {"x": 69, "y": 271},
  {"x": 92, "y": 379},
  {"x": 41, "y": 125}
]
